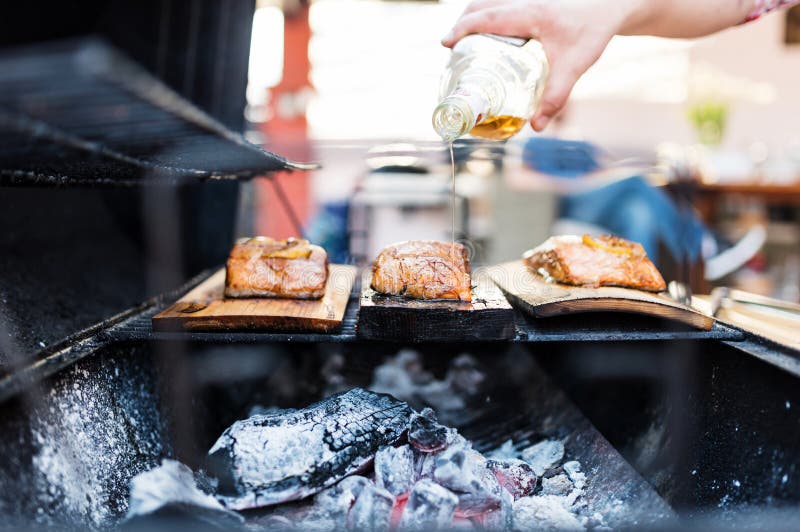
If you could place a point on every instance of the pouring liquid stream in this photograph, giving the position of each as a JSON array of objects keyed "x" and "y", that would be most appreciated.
[{"x": 453, "y": 199}]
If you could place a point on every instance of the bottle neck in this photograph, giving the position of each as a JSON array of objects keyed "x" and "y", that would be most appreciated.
[{"x": 466, "y": 106}]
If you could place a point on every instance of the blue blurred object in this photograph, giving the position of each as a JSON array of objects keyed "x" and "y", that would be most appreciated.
[
  {"x": 561, "y": 158},
  {"x": 630, "y": 207},
  {"x": 328, "y": 228},
  {"x": 633, "y": 209}
]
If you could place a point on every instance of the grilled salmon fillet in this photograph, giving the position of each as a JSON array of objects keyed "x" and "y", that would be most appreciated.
[
  {"x": 264, "y": 267},
  {"x": 595, "y": 261},
  {"x": 423, "y": 269}
]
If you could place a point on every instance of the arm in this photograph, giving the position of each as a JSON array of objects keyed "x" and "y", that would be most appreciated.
[
  {"x": 574, "y": 33},
  {"x": 685, "y": 18}
]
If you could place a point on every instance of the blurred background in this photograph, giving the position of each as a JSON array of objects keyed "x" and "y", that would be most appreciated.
[{"x": 710, "y": 123}]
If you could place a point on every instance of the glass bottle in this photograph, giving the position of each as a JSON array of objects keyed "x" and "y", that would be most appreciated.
[{"x": 490, "y": 88}]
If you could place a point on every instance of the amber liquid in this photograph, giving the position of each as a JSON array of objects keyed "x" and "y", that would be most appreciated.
[{"x": 498, "y": 127}]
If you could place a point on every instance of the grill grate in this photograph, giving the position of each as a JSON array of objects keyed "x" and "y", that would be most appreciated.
[
  {"x": 79, "y": 113},
  {"x": 134, "y": 325},
  {"x": 562, "y": 329}
]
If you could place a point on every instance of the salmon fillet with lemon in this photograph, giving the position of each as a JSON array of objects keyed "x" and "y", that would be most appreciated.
[
  {"x": 423, "y": 269},
  {"x": 264, "y": 267},
  {"x": 595, "y": 261}
]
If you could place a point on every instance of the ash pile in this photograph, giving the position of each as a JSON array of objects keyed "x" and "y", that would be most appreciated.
[{"x": 361, "y": 460}]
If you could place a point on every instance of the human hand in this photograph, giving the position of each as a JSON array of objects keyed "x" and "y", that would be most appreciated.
[{"x": 573, "y": 34}]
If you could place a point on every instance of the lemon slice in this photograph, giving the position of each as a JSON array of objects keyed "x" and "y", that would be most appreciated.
[{"x": 619, "y": 250}]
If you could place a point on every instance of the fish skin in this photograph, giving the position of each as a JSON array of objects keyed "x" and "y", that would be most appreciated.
[{"x": 266, "y": 460}]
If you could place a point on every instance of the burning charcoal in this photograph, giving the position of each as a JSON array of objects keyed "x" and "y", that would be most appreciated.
[
  {"x": 458, "y": 468},
  {"x": 544, "y": 455},
  {"x": 170, "y": 489},
  {"x": 477, "y": 504},
  {"x": 424, "y": 464},
  {"x": 462, "y": 523},
  {"x": 544, "y": 512},
  {"x": 372, "y": 510},
  {"x": 429, "y": 507},
  {"x": 464, "y": 472},
  {"x": 394, "y": 469},
  {"x": 340, "y": 497},
  {"x": 426, "y": 434},
  {"x": 573, "y": 470},
  {"x": 504, "y": 452},
  {"x": 516, "y": 476},
  {"x": 501, "y": 518},
  {"x": 558, "y": 485},
  {"x": 267, "y": 460}
]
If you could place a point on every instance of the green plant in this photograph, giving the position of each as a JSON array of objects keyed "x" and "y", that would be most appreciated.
[{"x": 708, "y": 118}]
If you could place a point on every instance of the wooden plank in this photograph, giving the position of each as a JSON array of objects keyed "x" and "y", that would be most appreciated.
[
  {"x": 539, "y": 298},
  {"x": 488, "y": 317},
  {"x": 206, "y": 309},
  {"x": 773, "y": 324}
]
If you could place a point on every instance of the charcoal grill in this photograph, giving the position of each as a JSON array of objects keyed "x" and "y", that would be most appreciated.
[{"x": 678, "y": 426}]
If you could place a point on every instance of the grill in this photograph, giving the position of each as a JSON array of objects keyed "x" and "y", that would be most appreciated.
[
  {"x": 674, "y": 426},
  {"x": 81, "y": 114}
]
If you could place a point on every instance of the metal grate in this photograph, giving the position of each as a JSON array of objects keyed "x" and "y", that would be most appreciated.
[
  {"x": 134, "y": 325},
  {"x": 79, "y": 113},
  {"x": 563, "y": 329}
]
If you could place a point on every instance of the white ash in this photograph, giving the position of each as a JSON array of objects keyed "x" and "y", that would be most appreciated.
[
  {"x": 573, "y": 470},
  {"x": 340, "y": 497},
  {"x": 557, "y": 485},
  {"x": 394, "y": 469},
  {"x": 172, "y": 484},
  {"x": 404, "y": 377},
  {"x": 96, "y": 427},
  {"x": 429, "y": 507},
  {"x": 422, "y": 486},
  {"x": 503, "y": 517},
  {"x": 261, "y": 410},
  {"x": 504, "y": 452},
  {"x": 544, "y": 512},
  {"x": 544, "y": 455},
  {"x": 372, "y": 510}
]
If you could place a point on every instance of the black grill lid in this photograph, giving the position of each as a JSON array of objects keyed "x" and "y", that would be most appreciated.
[{"x": 80, "y": 113}]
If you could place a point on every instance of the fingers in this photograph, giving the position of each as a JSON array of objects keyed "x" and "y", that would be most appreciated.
[
  {"x": 493, "y": 19},
  {"x": 562, "y": 78}
]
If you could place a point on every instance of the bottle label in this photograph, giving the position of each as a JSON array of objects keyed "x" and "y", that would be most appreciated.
[{"x": 513, "y": 41}]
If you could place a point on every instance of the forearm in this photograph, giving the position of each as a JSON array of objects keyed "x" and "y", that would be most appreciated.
[{"x": 683, "y": 18}]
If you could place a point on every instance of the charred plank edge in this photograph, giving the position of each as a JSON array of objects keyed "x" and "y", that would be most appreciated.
[{"x": 396, "y": 318}]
